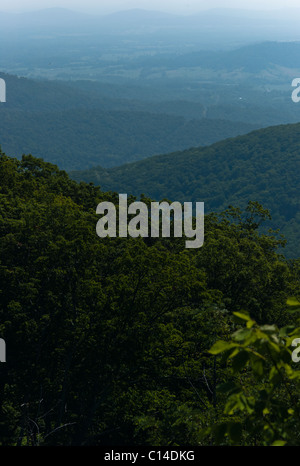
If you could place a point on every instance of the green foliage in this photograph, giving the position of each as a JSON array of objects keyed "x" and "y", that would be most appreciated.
[
  {"x": 107, "y": 339},
  {"x": 262, "y": 406}
]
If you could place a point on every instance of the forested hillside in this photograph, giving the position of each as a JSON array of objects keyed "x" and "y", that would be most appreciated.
[
  {"x": 108, "y": 340},
  {"x": 77, "y": 139},
  {"x": 262, "y": 166},
  {"x": 81, "y": 124}
]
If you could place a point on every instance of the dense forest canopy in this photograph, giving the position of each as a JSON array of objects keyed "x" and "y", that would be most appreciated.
[{"x": 108, "y": 340}]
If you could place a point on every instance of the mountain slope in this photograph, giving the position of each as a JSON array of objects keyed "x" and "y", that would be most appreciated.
[
  {"x": 75, "y": 128},
  {"x": 85, "y": 138},
  {"x": 262, "y": 166}
]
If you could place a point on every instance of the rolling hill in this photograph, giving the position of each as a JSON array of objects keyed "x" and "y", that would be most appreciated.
[
  {"x": 85, "y": 138},
  {"x": 262, "y": 166},
  {"x": 75, "y": 128}
]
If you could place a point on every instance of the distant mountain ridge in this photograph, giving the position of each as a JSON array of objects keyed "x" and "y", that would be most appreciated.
[
  {"x": 77, "y": 129},
  {"x": 211, "y": 18}
]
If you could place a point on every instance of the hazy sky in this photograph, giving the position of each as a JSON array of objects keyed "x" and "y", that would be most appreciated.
[{"x": 175, "y": 6}]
